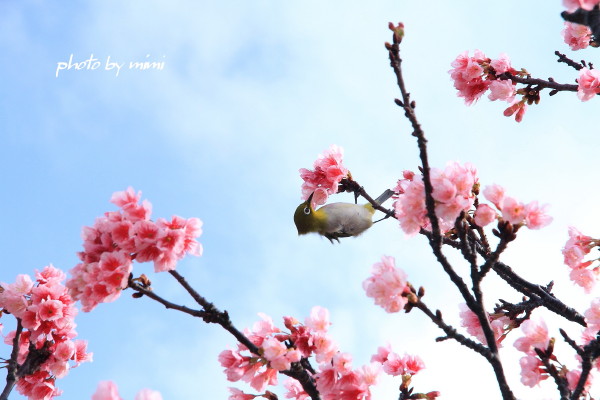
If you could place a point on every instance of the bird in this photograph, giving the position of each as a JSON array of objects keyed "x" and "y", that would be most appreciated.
[{"x": 336, "y": 220}]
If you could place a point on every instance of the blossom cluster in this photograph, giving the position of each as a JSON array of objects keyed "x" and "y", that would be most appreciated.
[
  {"x": 532, "y": 215},
  {"x": 577, "y": 36},
  {"x": 119, "y": 237},
  {"x": 574, "y": 252},
  {"x": 335, "y": 377},
  {"x": 573, "y": 5},
  {"x": 46, "y": 312},
  {"x": 324, "y": 179},
  {"x": 107, "y": 390},
  {"x": 387, "y": 285},
  {"x": 588, "y": 83},
  {"x": 500, "y": 325},
  {"x": 475, "y": 75},
  {"x": 535, "y": 337},
  {"x": 454, "y": 191}
]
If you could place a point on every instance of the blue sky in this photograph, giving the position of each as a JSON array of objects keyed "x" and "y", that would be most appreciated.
[{"x": 250, "y": 93}]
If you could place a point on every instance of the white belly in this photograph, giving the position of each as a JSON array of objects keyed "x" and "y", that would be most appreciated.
[{"x": 347, "y": 218}]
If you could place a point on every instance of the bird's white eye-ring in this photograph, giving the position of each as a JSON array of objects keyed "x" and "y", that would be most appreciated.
[{"x": 306, "y": 210}]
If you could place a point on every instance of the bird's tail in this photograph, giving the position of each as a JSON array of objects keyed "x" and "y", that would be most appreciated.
[{"x": 384, "y": 196}]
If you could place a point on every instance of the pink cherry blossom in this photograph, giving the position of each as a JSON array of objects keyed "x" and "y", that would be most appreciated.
[
  {"x": 572, "y": 5},
  {"x": 148, "y": 394},
  {"x": 118, "y": 238},
  {"x": 536, "y": 216},
  {"x": 324, "y": 179},
  {"x": 501, "y": 64},
  {"x": 452, "y": 190},
  {"x": 504, "y": 90},
  {"x": 576, "y": 248},
  {"x": 382, "y": 354},
  {"x": 106, "y": 390},
  {"x": 585, "y": 278},
  {"x": 47, "y": 315},
  {"x": 295, "y": 390},
  {"x": 536, "y": 336},
  {"x": 531, "y": 371},
  {"x": 592, "y": 315},
  {"x": 469, "y": 320},
  {"x": 237, "y": 394},
  {"x": 467, "y": 74},
  {"x": 318, "y": 320},
  {"x": 495, "y": 194},
  {"x": 589, "y": 83},
  {"x": 387, "y": 285},
  {"x": 485, "y": 215},
  {"x": 577, "y": 36},
  {"x": 513, "y": 211}
]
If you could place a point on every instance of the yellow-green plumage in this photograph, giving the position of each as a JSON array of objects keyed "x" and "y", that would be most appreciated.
[{"x": 336, "y": 220}]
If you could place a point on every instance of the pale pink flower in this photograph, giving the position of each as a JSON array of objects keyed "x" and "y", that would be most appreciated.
[
  {"x": 536, "y": 336},
  {"x": 572, "y": 5},
  {"x": 318, "y": 320},
  {"x": 295, "y": 390},
  {"x": 386, "y": 285},
  {"x": 536, "y": 216},
  {"x": 485, "y": 215},
  {"x": 589, "y": 83},
  {"x": 370, "y": 373},
  {"x": 577, "y": 36},
  {"x": 65, "y": 350},
  {"x": 513, "y": 211},
  {"x": 501, "y": 64},
  {"x": 495, "y": 194},
  {"x": 278, "y": 355},
  {"x": 263, "y": 379},
  {"x": 452, "y": 190},
  {"x": 576, "y": 248},
  {"x": 237, "y": 394},
  {"x": 584, "y": 277},
  {"x": 592, "y": 315},
  {"x": 467, "y": 74},
  {"x": 531, "y": 371},
  {"x": 382, "y": 354},
  {"x": 324, "y": 347},
  {"x": 504, "y": 90},
  {"x": 470, "y": 321},
  {"x": 328, "y": 171},
  {"x": 107, "y": 390},
  {"x": 148, "y": 394}
]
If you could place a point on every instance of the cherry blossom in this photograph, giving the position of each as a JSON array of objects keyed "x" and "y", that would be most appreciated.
[
  {"x": 577, "y": 36},
  {"x": 324, "y": 179},
  {"x": 387, "y": 285},
  {"x": 47, "y": 312},
  {"x": 589, "y": 83},
  {"x": 120, "y": 237}
]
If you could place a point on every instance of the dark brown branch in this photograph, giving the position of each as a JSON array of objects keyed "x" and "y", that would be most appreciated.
[
  {"x": 564, "y": 59},
  {"x": 537, "y": 292},
  {"x": 11, "y": 375},
  {"x": 540, "y": 83},
  {"x": 450, "y": 332}
]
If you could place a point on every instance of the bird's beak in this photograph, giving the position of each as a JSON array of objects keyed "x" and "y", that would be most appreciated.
[{"x": 309, "y": 200}]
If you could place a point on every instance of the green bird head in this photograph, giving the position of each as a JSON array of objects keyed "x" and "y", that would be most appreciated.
[{"x": 305, "y": 217}]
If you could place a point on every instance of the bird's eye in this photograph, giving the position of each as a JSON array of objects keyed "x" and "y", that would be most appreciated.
[{"x": 306, "y": 210}]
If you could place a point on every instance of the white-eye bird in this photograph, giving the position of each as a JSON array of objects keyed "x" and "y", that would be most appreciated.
[{"x": 336, "y": 220}]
